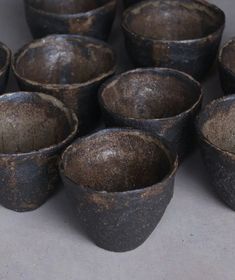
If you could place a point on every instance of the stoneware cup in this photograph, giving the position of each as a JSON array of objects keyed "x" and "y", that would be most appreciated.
[
  {"x": 34, "y": 129},
  {"x": 85, "y": 17},
  {"x": 69, "y": 67},
  {"x": 159, "y": 100},
  {"x": 120, "y": 182},
  {"x": 5, "y": 61},
  {"x": 180, "y": 34},
  {"x": 216, "y": 130},
  {"x": 227, "y": 67}
]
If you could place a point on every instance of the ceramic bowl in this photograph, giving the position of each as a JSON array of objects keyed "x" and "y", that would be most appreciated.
[
  {"x": 216, "y": 130},
  {"x": 159, "y": 100},
  {"x": 69, "y": 67},
  {"x": 179, "y": 34},
  {"x": 34, "y": 130},
  {"x": 84, "y": 17},
  {"x": 120, "y": 182}
]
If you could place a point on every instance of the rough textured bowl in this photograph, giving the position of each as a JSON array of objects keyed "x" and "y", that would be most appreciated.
[
  {"x": 34, "y": 129},
  {"x": 120, "y": 183},
  {"x": 69, "y": 67},
  {"x": 85, "y": 17},
  {"x": 5, "y": 61},
  {"x": 180, "y": 34},
  {"x": 216, "y": 130},
  {"x": 162, "y": 101},
  {"x": 227, "y": 67}
]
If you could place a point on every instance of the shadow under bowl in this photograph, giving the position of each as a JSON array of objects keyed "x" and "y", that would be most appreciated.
[
  {"x": 159, "y": 100},
  {"x": 5, "y": 61},
  {"x": 120, "y": 181},
  {"x": 216, "y": 130},
  {"x": 84, "y": 17},
  {"x": 157, "y": 33},
  {"x": 69, "y": 67},
  {"x": 34, "y": 129},
  {"x": 227, "y": 67}
]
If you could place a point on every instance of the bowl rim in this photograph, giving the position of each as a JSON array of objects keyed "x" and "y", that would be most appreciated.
[
  {"x": 8, "y": 58},
  {"x": 55, "y": 102},
  {"x": 156, "y": 71},
  {"x": 126, "y": 28},
  {"x": 168, "y": 151},
  {"x": 72, "y": 37},
  {"x": 221, "y": 53},
  {"x": 69, "y": 15},
  {"x": 200, "y": 121}
]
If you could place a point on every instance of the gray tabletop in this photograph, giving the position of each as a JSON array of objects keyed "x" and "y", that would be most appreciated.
[{"x": 194, "y": 240}]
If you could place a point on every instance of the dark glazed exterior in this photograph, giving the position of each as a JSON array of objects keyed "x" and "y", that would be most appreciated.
[
  {"x": 216, "y": 130},
  {"x": 28, "y": 151},
  {"x": 95, "y": 23},
  {"x": 69, "y": 67},
  {"x": 227, "y": 67},
  {"x": 128, "y": 3},
  {"x": 188, "y": 40},
  {"x": 119, "y": 217},
  {"x": 5, "y": 61},
  {"x": 162, "y": 101}
]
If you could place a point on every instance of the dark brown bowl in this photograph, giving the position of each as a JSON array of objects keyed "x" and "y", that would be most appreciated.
[
  {"x": 5, "y": 61},
  {"x": 216, "y": 130},
  {"x": 179, "y": 34},
  {"x": 227, "y": 67},
  {"x": 34, "y": 129},
  {"x": 84, "y": 17},
  {"x": 162, "y": 101},
  {"x": 69, "y": 67},
  {"x": 120, "y": 182}
]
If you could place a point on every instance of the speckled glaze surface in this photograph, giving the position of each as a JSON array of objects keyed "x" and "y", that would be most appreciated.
[
  {"x": 159, "y": 100},
  {"x": 227, "y": 67},
  {"x": 216, "y": 131},
  {"x": 34, "y": 129},
  {"x": 157, "y": 33},
  {"x": 120, "y": 182},
  {"x": 84, "y": 17},
  {"x": 69, "y": 67},
  {"x": 5, "y": 61}
]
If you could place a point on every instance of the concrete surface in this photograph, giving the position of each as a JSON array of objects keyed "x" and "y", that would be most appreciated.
[{"x": 195, "y": 239}]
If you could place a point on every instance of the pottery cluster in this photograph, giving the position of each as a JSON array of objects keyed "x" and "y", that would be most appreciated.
[{"x": 120, "y": 179}]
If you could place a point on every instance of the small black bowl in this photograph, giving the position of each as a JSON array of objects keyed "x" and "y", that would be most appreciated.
[
  {"x": 120, "y": 182},
  {"x": 216, "y": 130},
  {"x": 84, "y": 17},
  {"x": 227, "y": 67},
  {"x": 160, "y": 100},
  {"x": 179, "y": 34},
  {"x": 34, "y": 130},
  {"x": 69, "y": 67},
  {"x": 5, "y": 61}
]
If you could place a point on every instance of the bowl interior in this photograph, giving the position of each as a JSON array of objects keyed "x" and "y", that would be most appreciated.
[
  {"x": 150, "y": 94},
  {"x": 228, "y": 56},
  {"x": 66, "y": 6},
  {"x": 29, "y": 122},
  {"x": 117, "y": 161},
  {"x": 63, "y": 60},
  {"x": 174, "y": 19},
  {"x": 218, "y": 126}
]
